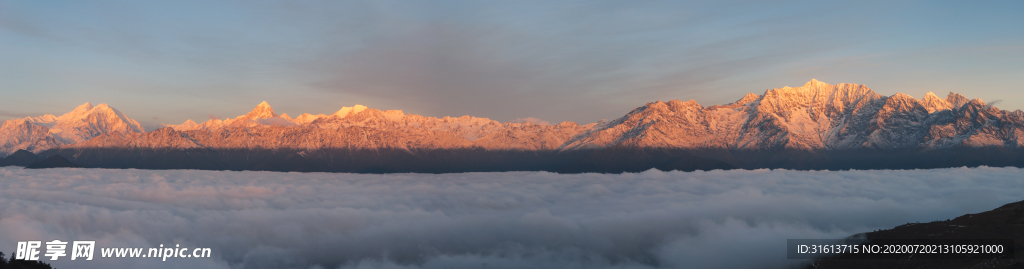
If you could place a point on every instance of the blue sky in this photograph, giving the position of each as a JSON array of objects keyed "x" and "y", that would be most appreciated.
[{"x": 165, "y": 62}]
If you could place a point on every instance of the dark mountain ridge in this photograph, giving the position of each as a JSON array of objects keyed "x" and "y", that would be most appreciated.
[{"x": 1004, "y": 222}]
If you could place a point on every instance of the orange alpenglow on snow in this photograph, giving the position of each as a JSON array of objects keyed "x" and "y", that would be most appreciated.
[{"x": 816, "y": 116}]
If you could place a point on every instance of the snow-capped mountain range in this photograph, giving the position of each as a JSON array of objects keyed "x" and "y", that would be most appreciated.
[
  {"x": 814, "y": 117},
  {"x": 48, "y": 131}
]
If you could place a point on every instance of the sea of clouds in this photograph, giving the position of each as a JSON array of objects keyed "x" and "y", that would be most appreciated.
[{"x": 653, "y": 219}]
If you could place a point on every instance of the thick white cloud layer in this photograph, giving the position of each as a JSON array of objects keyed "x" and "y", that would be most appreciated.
[{"x": 654, "y": 219}]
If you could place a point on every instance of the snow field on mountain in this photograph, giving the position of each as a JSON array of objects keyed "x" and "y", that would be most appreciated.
[
  {"x": 815, "y": 117},
  {"x": 653, "y": 219}
]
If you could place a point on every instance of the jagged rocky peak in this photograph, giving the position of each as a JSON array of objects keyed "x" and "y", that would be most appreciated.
[
  {"x": 666, "y": 108},
  {"x": 747, "y": 99},
  {"x": 902, "y": 102},
  {"x": 933, "y": 104},
  {"x": 345, "y": 111},
  {"x": 957, "y": 100},
  {"x": 87, "y": 116},
  {"x": 835, "y": 98},
  {"x": 788, "y": 98},
  {"x": 104, "y": 108},
  {"x": 186, "y": 126},
  {"x": 979, "y": 105},
  {"x": 307, "y": 118},
  {"x": 567, "y": 124},
  {"x": 654, "y": 106},
  {"x": 676, "y": 105},
  {"x": 976, "y": 107},
  {"x": 77, "y": 112},
  {"x": 811, "y": 86},
  {"x": 658, "y": 106},
  {"x": 115, "y": 116},
  {"x": 262, "y": 111},
  {"x": 808, "y": 88},
  {"x": 814, "y": 83},
  {"x": 48, "y": 131}
]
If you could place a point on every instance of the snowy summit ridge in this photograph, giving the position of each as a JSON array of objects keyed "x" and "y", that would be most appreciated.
[
  {"x": 48, "y": 131},
  {"x": 814, "y": 117}
]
